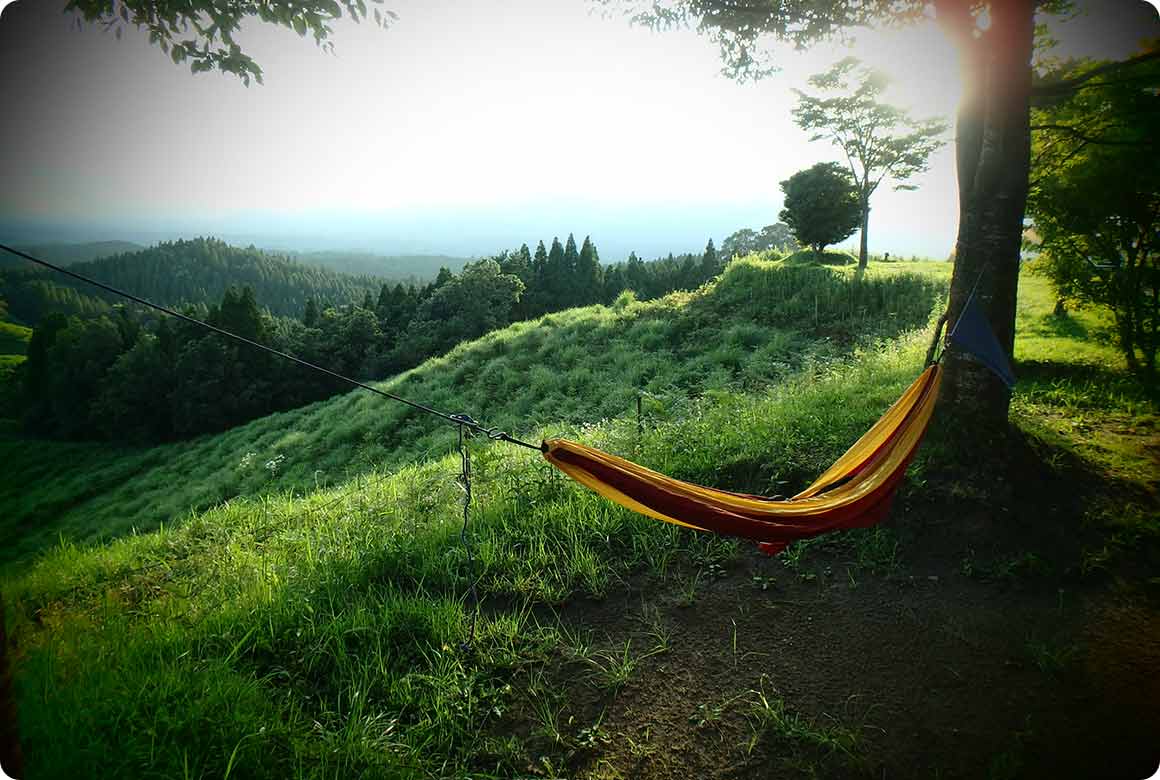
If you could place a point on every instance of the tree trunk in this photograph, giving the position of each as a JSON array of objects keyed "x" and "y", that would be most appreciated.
[
  {"x": 863, "y": 248},
  {"x": 11, "y": 760},
  {"x": 993, "y": 154}
]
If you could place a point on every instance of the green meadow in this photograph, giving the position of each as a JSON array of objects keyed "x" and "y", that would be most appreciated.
[{"x": 293, "y": 598}]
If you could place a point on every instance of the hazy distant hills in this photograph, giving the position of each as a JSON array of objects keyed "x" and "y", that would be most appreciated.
[
  {"x": 401, "y": 268},
  {"x": 67, "y": 254}
]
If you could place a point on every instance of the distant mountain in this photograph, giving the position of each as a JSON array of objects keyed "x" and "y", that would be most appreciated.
[
  {"x": 178, "y": 273},
  {"x": 68, "y": 254},
  {"x": 416, "y": 269}
]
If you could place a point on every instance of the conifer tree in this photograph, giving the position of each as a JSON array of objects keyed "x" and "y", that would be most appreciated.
[
  {"x": 555, "y": 278},
  {"x": 571, "y": 282},
  {"x": 710, "y": 264},
  {"x": 383, "y": 305},
  {"x": 589, "y": 275}
]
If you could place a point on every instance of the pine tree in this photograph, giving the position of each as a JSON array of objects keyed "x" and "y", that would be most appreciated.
[
  {"x": 571, "y": 289},
  {"x": 555, "y": 278},
  {"x": 589, "y": 275},
  {"x": 535, "y": 297},
  {"x": 710, "y": 264},
  {"x": 383, "y": 305}
]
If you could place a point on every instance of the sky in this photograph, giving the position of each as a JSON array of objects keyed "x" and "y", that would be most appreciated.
[{"x": 467, "y": 127}]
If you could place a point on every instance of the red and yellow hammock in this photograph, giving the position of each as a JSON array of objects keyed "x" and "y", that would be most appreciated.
[{"x": 853, "y": 493}]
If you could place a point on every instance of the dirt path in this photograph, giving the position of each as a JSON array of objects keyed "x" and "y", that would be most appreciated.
[{"x": 899, "y": 677}]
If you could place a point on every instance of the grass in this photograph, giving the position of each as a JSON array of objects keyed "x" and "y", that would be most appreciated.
[
  {"x": 795, "y": 739},
  {"x": 808, "y": 256},
  {"x": 760, "y": 323},
  {"x": 293, "y": 631},
  {"x": 14, "y": 338}
]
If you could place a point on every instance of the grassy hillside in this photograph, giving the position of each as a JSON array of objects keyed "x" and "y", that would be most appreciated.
[
  {"x": 321, "y": 635},
  {"x": 759, "y": 324},
  {"x": 14, "y": 338}
]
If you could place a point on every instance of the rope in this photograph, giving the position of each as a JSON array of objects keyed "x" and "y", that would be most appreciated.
[
  {"x": 970, "y": 295},
  {"x": 465, "y": 481},
  {"x": 493, "y": 434}
]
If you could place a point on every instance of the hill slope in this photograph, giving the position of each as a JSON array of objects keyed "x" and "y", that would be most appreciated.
[
  {"x": 758, "y": 324},
  {"x": 333, "y": 635},
  {"x": 187, "y": 272}
]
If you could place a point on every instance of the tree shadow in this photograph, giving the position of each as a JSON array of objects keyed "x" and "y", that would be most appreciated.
[
  {"x": 1062, "y": 325},
  {"x": 1085, "y": 383}
]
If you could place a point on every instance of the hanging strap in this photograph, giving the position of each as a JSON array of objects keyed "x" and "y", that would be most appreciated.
[{"x": 466, "y": 424}]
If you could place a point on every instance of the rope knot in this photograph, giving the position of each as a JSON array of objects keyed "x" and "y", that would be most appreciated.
[{"x": 465, "y": 419}]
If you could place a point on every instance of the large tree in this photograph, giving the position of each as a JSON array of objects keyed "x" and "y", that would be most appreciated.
[
  {"x": 821, "y": 205},
  {"x": 1095, "y": 202},
  {"x": 879, "y": 140},
  {"x": 992, "y": 134}
]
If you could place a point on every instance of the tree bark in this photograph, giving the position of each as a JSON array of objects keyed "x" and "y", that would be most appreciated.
[
  {"x": 993, "y": 154},
  {"x": 863, "y": 248}
]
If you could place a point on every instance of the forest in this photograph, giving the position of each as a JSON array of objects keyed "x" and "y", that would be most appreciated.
[{"x": 111, "y": 371}]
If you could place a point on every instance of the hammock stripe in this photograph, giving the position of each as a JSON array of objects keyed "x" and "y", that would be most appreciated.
[{"x": 853, "y": 493}]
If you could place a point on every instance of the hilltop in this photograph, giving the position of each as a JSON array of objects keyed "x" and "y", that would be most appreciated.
[{"x": 178, "y": 273}]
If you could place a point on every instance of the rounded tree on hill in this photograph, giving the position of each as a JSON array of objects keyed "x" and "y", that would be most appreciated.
[{"x": 821, "y": 205}]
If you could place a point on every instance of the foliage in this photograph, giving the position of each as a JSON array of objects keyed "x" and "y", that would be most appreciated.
[
  {"x": 741, "y": 30},
  {"x": 878, "y": 140},
  {"x": 203, "y": 31},
  {"x": 777, "y": 237},
  {"x": 1095, "y": 204},
  {"x": 821, "y": 205},
  {"x": 479, "y": 300},
  {"x": 34, "y": 296}
]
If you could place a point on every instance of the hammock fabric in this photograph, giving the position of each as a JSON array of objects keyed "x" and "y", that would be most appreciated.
[{"x": 853, "y": 493}]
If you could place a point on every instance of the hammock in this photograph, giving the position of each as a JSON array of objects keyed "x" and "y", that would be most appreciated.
[{"x": 853, "y": 493}]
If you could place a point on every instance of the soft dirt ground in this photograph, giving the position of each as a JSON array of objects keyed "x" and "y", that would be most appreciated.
[{"x": 995, "y": 648}]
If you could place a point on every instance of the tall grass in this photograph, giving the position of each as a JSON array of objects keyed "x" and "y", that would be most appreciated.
[
  {"x": 322, "y": 634},
  {"x": 759, "y": 323}
]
